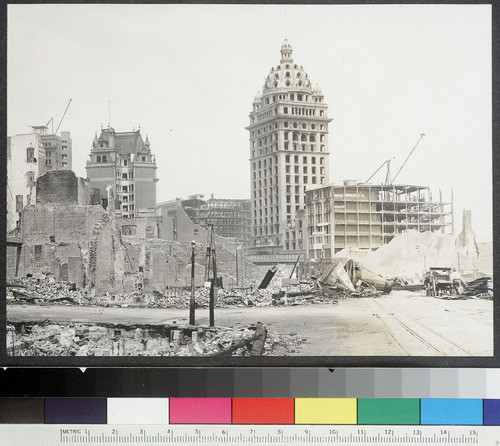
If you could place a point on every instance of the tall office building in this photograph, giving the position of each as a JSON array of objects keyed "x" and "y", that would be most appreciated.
[
  {"x": 124, "y": 161},
  {"x": 58, "y": 151},
  {"x": 288, "y": 155}
]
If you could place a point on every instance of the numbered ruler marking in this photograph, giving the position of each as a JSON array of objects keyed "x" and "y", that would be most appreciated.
[{"x": 369, "y": 435}]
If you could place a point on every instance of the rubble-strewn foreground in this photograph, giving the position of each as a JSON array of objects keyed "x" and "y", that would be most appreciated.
[{"x": 76, "y": 339}]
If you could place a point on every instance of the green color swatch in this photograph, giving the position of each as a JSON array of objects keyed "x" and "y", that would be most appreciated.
[{"x": 389, "y": 411}]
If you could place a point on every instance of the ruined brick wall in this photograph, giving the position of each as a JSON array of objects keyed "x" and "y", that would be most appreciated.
[
  {"x": 67, "y": 224},
  {"x": 54, "y": 234},
  {"x": 11, "y": 258},
  {"x": 57, "y": 187},
  {"x": 176, "y": 225},
  {"x": 64, "y": 187},
  {"x": 109, "y": 266},
  {"x": 83, "y": 244},
  {"x": 144, "y": 227},
  {"x": 87, "y": 194},
  {"x": 167, "y": 264}
]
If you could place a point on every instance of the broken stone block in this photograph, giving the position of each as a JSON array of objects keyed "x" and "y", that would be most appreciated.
[
  {"x": 152, "y": 346},
  {"x": 138, "y": 334},
  {"x": 66, "y": 337}
]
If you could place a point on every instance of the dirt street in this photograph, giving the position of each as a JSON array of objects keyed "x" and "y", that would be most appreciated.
[{"x": 400, "y": 324}]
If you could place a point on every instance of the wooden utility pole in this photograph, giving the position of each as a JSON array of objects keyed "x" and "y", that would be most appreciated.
[
  {"x": 192, "y": 302},
  {"x": 213, "y": 289},
  {"x": 209, "y": 253}
]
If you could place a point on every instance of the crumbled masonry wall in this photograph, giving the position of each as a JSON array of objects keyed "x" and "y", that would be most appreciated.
[
  {"x": 467, "y": 246},
  {"x": 84, "y": 245},
  {"x": 11, "y": 256},
  {"x": 121, "y": 264},
  {"x": 145, "y": 227},
  {"x": 64, "y": 187},
  {"x": 52, "y": 235},
  {"x": 168, "y": 264},
  {"x": 88, "y": 194},
  {"x": 67, "y": 224},
  {"x": 176, "y": 225}
]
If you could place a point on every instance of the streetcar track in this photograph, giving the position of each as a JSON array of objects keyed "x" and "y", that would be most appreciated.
[{"x": 419, "y": 336}]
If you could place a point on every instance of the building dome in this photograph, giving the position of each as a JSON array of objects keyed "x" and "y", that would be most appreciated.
[
  {"x": 287, "y": 75},
  {"x": 258, "y": 97}
]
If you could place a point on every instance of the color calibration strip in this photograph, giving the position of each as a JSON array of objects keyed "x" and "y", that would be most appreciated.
[
  {"x": 276, "y": 411},
  {"x": 250, "y": 382}
]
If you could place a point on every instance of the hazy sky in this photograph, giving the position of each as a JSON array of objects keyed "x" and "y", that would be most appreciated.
[{"x": 188, "y": 74}]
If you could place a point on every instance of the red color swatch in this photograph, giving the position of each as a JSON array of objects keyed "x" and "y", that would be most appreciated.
[{"x": 263, "y": 410}]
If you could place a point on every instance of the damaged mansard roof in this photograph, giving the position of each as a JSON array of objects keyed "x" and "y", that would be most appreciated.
[{"x": 122, "y": 142}]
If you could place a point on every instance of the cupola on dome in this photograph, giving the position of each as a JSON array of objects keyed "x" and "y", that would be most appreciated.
[{"x": 287, "y": 75}]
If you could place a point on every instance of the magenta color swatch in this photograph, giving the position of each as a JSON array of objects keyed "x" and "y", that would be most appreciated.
[{"x": 200, "y": 410}]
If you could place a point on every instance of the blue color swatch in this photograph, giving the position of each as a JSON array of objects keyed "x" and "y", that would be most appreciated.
[{"x": 452, "y": 411}]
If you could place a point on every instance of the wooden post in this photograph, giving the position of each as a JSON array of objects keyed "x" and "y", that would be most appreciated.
[
  {"x": 237, "y": 267},
  {"x": 192, "y": 302},
  {"x": 209, "y": 253},
  {"x": 213, "y": 290},
  {"x": 18, "y": 258}
]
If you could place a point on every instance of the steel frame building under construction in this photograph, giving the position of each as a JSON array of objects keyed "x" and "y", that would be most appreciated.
[{"x": 367, "y": 216}]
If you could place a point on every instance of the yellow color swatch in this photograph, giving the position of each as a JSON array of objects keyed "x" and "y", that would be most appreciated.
[{"x": 325, "y": 411}]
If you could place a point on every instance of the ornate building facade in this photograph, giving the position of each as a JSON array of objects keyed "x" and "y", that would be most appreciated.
[
  {"x": 288, "y": 155},
  {"x": 124, "y": 161}
]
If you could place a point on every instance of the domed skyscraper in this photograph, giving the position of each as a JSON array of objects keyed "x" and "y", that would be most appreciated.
[{"x": 288, "y": 154}]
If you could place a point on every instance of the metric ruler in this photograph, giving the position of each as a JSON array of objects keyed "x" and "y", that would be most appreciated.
[{"x": 50, "y": 435}]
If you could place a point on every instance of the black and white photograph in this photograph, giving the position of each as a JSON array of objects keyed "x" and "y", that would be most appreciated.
[{"x": 237, "y": 181}]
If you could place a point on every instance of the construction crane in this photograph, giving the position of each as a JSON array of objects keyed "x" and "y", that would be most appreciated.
[
  {"x": 388, "y": 180},
  {"x": 408, "y": 157},
  {"x": 388, "y": 176},
  {"x": 42, "y": 129},
  {"x": 64, "y": 114}
]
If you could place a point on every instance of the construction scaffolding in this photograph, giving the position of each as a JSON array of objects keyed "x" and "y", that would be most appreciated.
[{"x": 366, "y": 216}]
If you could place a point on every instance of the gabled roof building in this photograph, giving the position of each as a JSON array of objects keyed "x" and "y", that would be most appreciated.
[{"x": 123, "y": 160}]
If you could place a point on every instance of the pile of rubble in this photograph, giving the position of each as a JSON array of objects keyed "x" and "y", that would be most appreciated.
[
  {"x": 77, "y": 339},
  {"x": 44, "y": 289},
  {"x": 482, "y": 287},
  {"x": 302, "y": 294}
]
